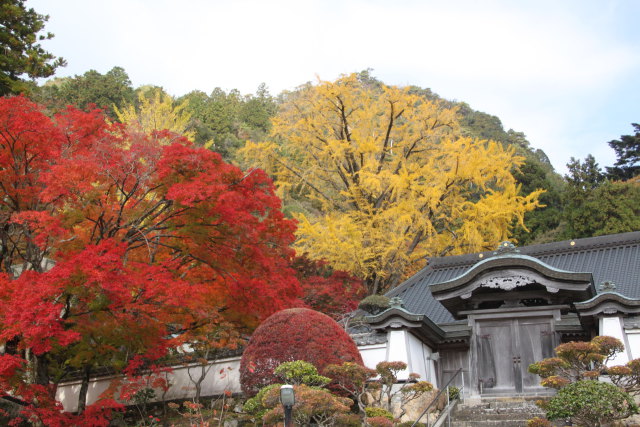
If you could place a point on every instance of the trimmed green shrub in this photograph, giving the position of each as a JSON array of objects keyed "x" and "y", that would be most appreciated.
[
  {"x": 301, "y": 372},
  {"x": 590, "y": 402},
  {"x": 372, "y": 412},
  {"x": 374, "y": 304}
]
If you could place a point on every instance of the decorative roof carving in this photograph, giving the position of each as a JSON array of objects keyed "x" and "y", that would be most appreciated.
[
  {"x": 607, "y": 286},
  {"x": 396, "y": 302},
  {"x": 371, "y": 338},
  {"x": 507, "y": 282}
]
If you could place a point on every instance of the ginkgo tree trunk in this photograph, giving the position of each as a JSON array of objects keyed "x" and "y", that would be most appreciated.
[{"x": 381, "y": 179}]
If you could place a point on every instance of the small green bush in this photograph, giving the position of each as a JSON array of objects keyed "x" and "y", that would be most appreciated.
[
  {"x": 454, "y": 393},
  {"x": 254, "y": 406},
  {"x": 301, "y": 372},
  {"x": 410, "y": 424},
  {"x": 590, "y": 403},
  {"x": 374, "y": 304},
  {"x": 373, "y": 412}
]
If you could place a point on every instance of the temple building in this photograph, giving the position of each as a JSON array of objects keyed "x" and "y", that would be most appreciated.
[{"x": 492, "y": 314}]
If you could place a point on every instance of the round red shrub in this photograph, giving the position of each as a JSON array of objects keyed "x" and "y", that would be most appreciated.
[{"x": 294, "y": 334}]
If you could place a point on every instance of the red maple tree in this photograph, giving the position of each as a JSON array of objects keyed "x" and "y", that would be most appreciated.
[
  {"x": 116, "y": 248},
  {"x": 335, "y": 293}
]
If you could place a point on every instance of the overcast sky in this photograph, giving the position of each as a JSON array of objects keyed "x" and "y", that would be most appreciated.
[{"x": 566, "y": 73}]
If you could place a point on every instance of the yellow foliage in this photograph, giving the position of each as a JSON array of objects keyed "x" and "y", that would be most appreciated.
[
  {"x": 391, "y": 176},
  {"x": 156, "y": 112}
]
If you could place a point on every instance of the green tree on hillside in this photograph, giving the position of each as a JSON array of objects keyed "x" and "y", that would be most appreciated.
[
  {"x": 106, "y": 91},
  {"x": 594, "y": 205},
  {"x": 21, "y": 51},
  {"x": 228, "y": 118},
  {"x": 627, "y": 150}
]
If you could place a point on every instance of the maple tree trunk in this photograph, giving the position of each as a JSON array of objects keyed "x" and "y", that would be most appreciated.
[
  {"x": 84, "y": 388},
  {"x": 41, "y": 369},
  {"x": 203, "y": 374}
]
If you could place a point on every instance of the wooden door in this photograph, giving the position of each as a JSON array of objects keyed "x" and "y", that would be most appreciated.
[{"x": 505, "y": 348}]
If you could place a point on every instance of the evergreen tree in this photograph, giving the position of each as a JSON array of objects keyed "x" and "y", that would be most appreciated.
[
  {"x": 627, "y": 150},
  {"x": 22, "y": 54}
]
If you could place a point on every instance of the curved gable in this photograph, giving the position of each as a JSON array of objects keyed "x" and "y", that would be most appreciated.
[{"x": 513, "y": 279}]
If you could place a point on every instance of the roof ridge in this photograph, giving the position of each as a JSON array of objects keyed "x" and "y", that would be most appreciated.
[{"x": 561, "y": 247}]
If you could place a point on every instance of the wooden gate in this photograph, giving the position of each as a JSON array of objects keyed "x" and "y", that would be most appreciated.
[{"x": 505, "y": 348}]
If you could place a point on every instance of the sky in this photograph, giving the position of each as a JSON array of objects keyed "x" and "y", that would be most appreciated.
[{"x": 565, "y": 73}]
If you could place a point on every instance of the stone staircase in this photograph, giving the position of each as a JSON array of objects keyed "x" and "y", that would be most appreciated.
[{"x": 495, "y": 412}]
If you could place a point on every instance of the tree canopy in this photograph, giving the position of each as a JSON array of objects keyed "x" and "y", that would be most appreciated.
[
  {"x": 90, "y": 90},
  {"x": 383, "y": 178},
  {"x": 156, "y": 111},
  {"x": 595, "y": 205},
  {"x": 22, "y": 53},
  {"x": 627, "y": 150},
  {"x": 104, "y": 231}
]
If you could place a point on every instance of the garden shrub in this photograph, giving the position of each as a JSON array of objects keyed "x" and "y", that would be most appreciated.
[
  {"x": 254, "y": 406},
  {"x": 379, "y": 422},
  {"x": 294, "y": 334},
  {"x": 373, "y": 411},
  {"x": 590, "y": 402},
  {"x": 374, "y": 304},
  {"x": 301, "y": 372},
  {"x": 539, "y": 422},
  {"x": 313, "y": 406},
  {"x": 454, "y": 393},
  {"x": 577, "y": 361}
]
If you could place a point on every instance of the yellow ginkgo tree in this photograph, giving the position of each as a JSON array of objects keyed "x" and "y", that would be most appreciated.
[
  {"x": 155, "y": 112},
  {"x": 387, "y": 179}
]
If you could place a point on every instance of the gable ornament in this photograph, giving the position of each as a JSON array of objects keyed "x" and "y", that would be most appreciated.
[{"x": 507, "y": 283}]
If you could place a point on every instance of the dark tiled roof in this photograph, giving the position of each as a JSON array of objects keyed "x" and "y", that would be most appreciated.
[{"x": 614, "y": 258}]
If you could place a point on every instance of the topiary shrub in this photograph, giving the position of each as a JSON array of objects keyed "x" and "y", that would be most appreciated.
[
  {"x": 590, "y": 402},
  {"x": 301, "y": 372},
  {"x": 294, "y": 334},
  {"x": 374, "y": 304}
]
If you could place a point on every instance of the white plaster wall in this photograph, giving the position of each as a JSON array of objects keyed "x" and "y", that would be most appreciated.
[
  {"x": 221, "y": 376},
  {"x": 398, "y": 350},
  {"x": 225, "y": 374},
  {"x": 417, "y": 358},
  {"x": 613, "y": 326},
  {"x": 373, "y": 354},
  {"x": 633, "y": 337}
]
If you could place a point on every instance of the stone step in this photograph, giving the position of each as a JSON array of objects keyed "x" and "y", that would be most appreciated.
[
  {"x": 495, "y": 412},
  {"x": 494, "y": 423}
]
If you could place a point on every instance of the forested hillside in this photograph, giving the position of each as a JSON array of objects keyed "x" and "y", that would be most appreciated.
[{"x": 576, "y": 205}]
